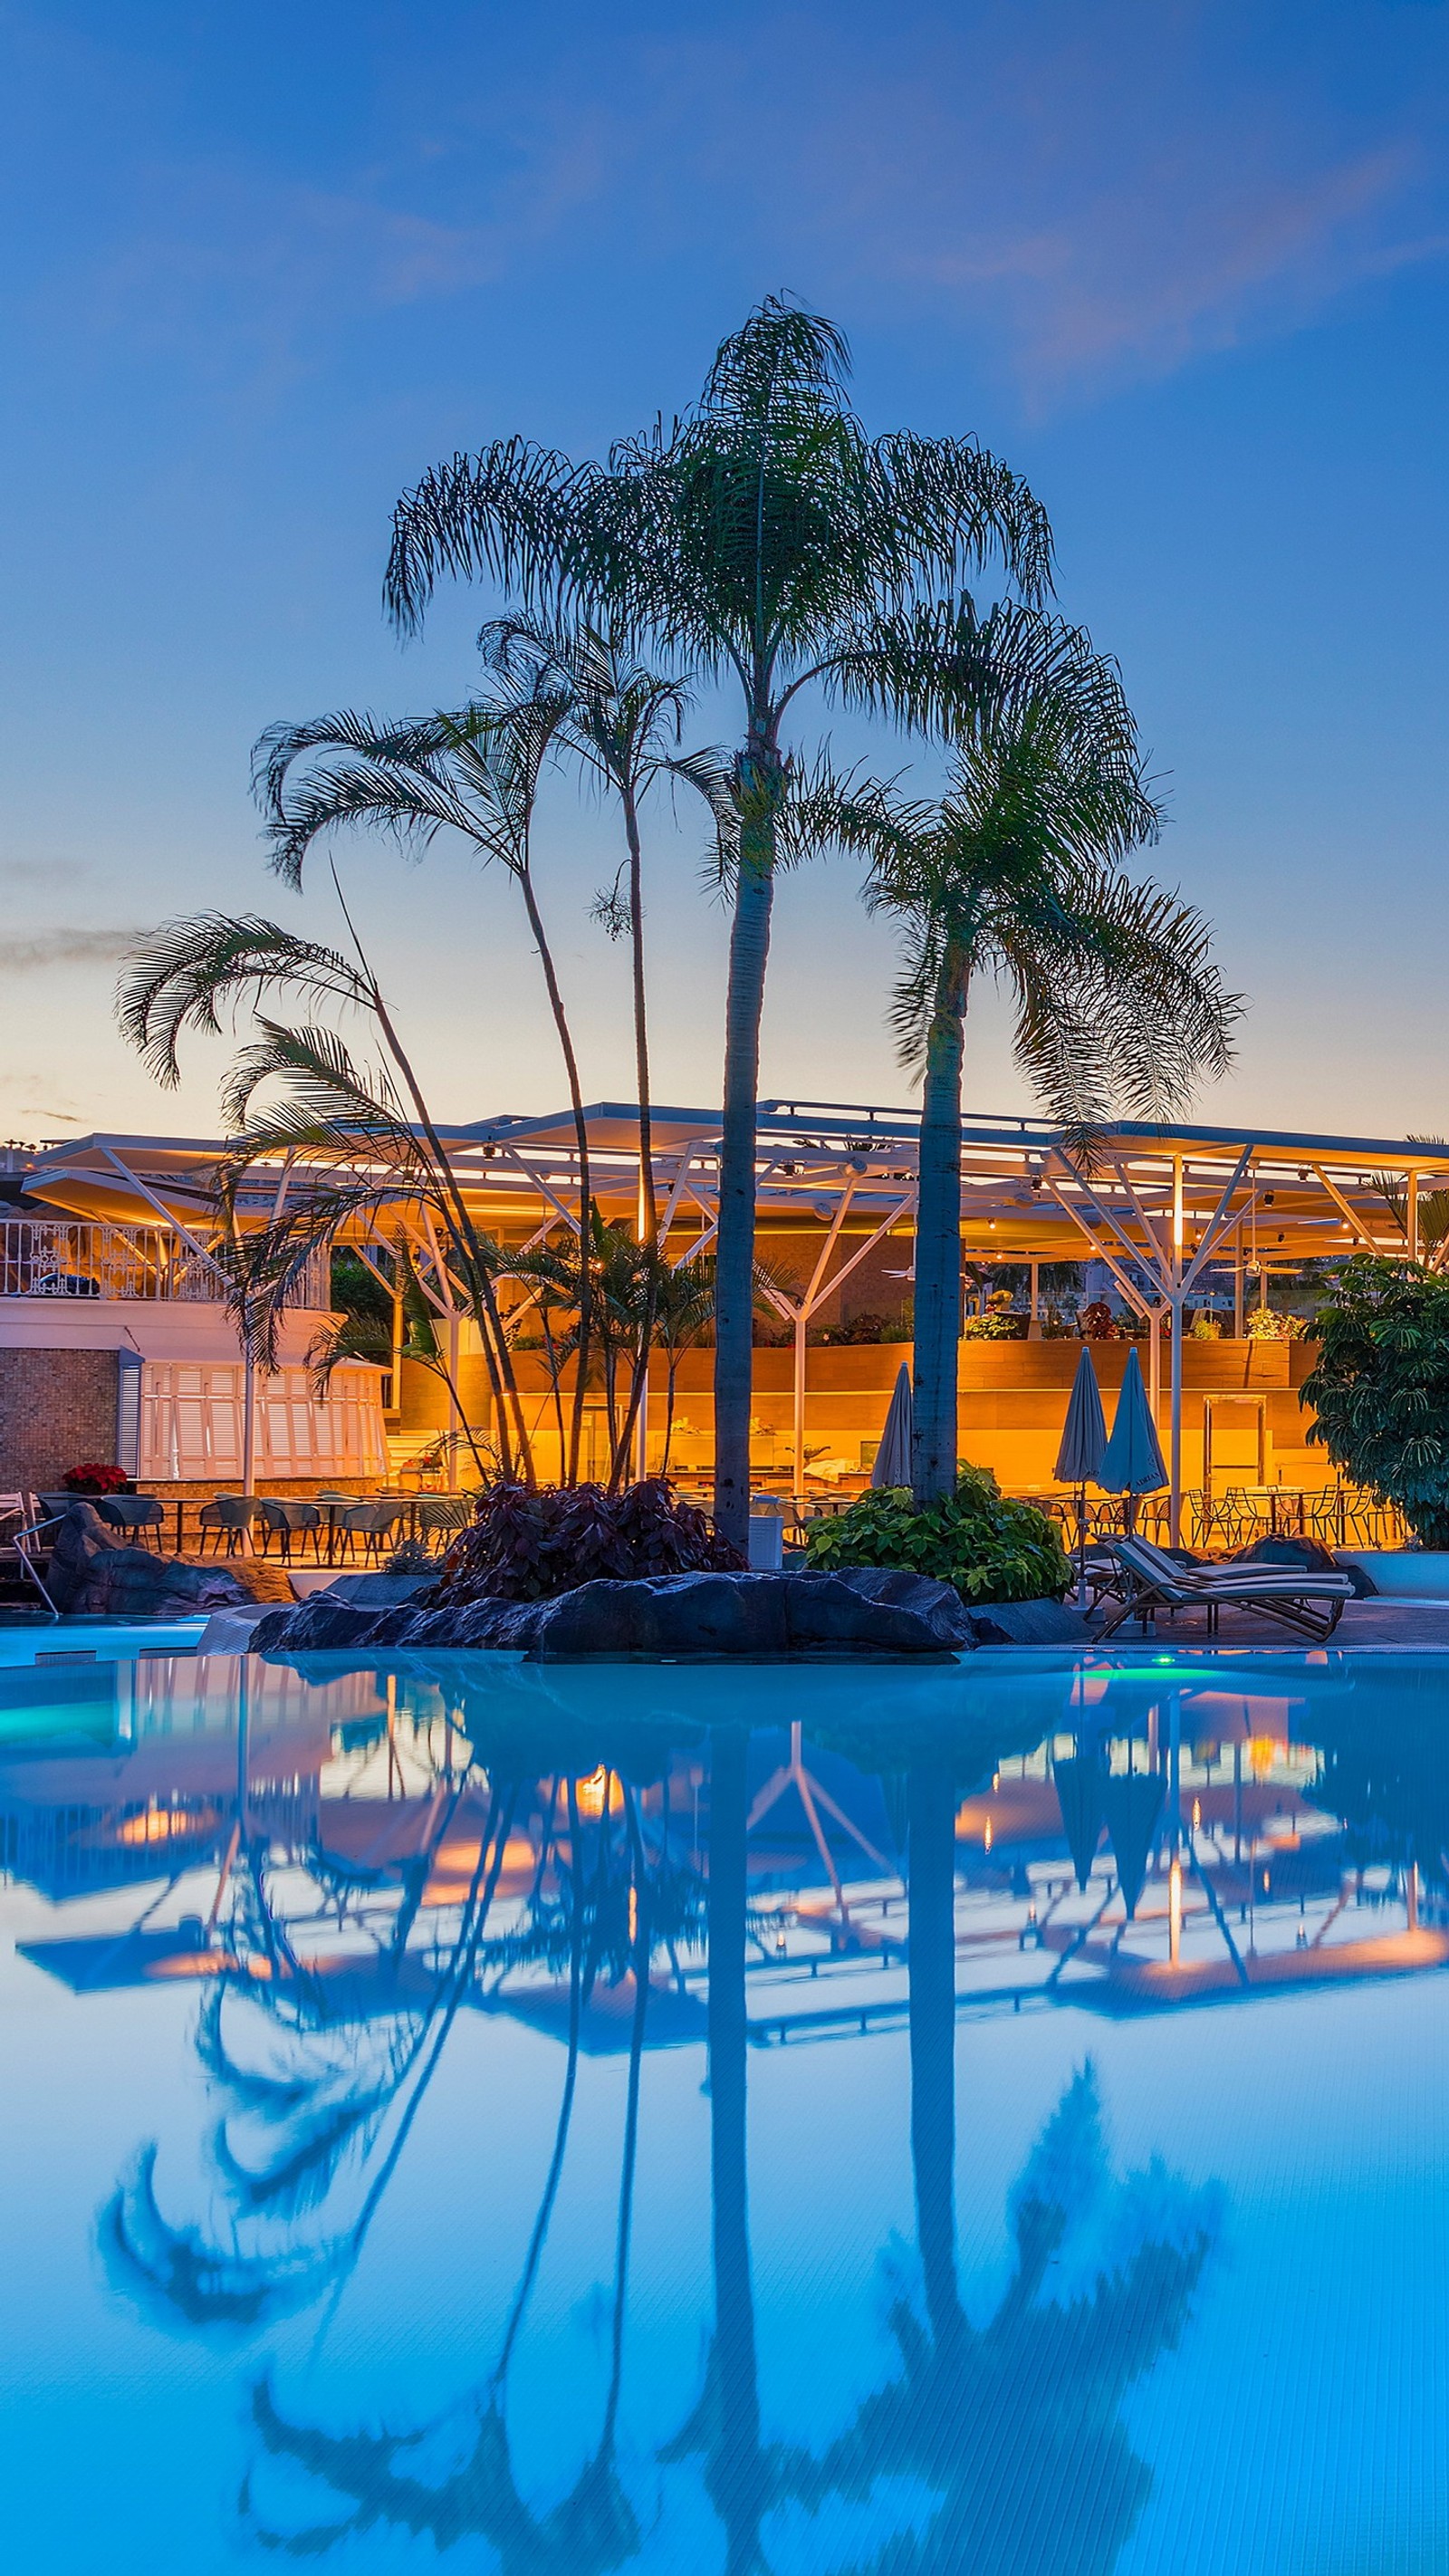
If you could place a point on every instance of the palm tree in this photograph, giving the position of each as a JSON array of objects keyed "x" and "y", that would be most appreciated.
[
  {"x": 1016, "y": 873},
  {"x": 475, "y": 773},
  {"x": 366, "y": 1132},
  {"x": 767, "y": 538},
  {"x": 624, "y": 726},
  {"x": 684, "y": 1309}
]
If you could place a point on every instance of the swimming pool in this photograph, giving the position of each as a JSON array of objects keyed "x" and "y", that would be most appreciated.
[
  {"x": 497, "y": 2110},
  {"x": 51, "y": 1641}
]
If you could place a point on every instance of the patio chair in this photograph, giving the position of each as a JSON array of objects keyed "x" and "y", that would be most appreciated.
[
  {"x": 441, "y": 1516},
  {"x": 135, "y": 1513},
  {"x": 231, "y": 1516},
  {"x": 290, "y": 1521},
  {"x": 1153, "y": 1581},
  {"x": 372, "y": 1523}
]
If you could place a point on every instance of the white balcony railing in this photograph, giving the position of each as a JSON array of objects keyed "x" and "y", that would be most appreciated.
[{"x": 72, "y": 1257}]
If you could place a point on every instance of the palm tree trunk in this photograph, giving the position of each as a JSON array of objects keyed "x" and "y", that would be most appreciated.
[
  {"x": 497, "y": 1352},
  {"x": 648, "y": 1200},
  {"x": 931, "y": 1807},
  {"x": 936, "y": 1356},
  {"x": 736, "y": 2469},
  {"x": 629, "y": 2161},
  {"x": 735, "y": 1264},
  {"x": 669, "y": 1414},
  {"x": 586, "y": 1195}
]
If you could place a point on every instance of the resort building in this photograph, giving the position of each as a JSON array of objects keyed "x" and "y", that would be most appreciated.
[{"x": 116, "y": 1341}]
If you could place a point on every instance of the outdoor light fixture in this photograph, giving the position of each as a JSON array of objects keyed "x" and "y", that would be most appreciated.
[{"x": 1174, "y": 1911}]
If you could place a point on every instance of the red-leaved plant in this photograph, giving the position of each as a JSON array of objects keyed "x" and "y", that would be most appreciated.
[
  {"x": 95, "y": 1480},
  {"x": 527, "y": 1545}
]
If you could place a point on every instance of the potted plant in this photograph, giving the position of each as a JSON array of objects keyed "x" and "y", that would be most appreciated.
[{"x": 97, "y": 1479}]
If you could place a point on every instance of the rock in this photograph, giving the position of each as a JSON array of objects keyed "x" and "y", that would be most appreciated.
[
  {"x": 315, "y": 1627},
  {"x": 93, "y": 1574},
  {"x": 862, "y": 1613},
  {"x": 1027, "y": 1623},
  {"x": 939, "y": 1604}
]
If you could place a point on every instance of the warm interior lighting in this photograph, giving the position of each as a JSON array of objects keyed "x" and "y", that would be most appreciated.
[
  {"x": 157, "y": 1825},
  {"x": 593, "y": 1793},
  {"x": 1174, "y": 1910}
]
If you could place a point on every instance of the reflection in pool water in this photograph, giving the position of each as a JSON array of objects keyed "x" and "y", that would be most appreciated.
[{"x": 615, "y": 2118}]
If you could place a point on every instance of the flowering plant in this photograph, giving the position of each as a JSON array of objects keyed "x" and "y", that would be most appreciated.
[
  {"x": 95, "y": 1479},
  {"x": 1265, "y": 1324}
]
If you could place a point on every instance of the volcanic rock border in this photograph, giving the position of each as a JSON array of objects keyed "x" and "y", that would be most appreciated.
[{"x": 863, "y": 1613}]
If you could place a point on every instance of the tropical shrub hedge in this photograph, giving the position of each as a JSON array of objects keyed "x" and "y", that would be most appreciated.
[
  {"x": 991, "y": 1548},
  {"x": 1380, "y": 1388}
]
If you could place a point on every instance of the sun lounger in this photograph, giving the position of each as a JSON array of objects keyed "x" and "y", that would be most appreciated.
[{"x": 1312, "y": 1603}]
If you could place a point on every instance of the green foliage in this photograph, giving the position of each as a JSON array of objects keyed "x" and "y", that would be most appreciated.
[
  {"x": 1000, "y": 1323},
  {"x": 1380, "y": 1389},
  {"x": 991, "y": 1548},
  {"x": 1265, "y": 1324}
]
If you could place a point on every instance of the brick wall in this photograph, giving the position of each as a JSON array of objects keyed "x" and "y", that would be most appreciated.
[{"x": 57, "y": 1410}]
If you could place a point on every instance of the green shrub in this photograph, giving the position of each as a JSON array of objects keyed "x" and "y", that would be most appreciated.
[
  {"x": 991, "y": 1548},
  {"x": 1380, "y": 1388}
]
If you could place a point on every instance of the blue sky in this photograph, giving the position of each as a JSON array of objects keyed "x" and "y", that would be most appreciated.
[{"x": 1186, "y": 266}]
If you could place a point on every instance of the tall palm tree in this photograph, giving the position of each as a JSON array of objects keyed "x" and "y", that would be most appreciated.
[
  {"x": 765, "y": 538},
  {"x": 1016, "y": 874},
  {"x": 624, "y": 726},
  {"x": 475, "y": 773}
]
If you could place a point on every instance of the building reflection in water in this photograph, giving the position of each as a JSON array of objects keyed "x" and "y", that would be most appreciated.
[{"x": 345, "y": 1862}]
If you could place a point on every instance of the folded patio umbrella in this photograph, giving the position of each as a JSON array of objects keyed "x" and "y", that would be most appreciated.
[
  {"x": 1079, "y": 1796},
  {"x": 1079, "y": 1459},
  {"x": 1132, "y": 1462},
  {"x": 1133, "y": 1801},
  {"x": 893, "y": 1458},
  {"x": 1084, "y": 1433}
]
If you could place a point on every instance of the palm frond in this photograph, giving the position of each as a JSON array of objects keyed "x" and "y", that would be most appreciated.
[{"x": 193, "y": 969}]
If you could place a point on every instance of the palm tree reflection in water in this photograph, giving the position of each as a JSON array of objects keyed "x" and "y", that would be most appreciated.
[
  {"x": 1011, "y": 2428},
  {"x": 603, "y": 1918},
  {"x": 1015, "y": 2425}
]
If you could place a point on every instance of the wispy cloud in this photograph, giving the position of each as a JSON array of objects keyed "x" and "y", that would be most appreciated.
[
  {"x": 28, "y": 951},
  {"x": 1114, "y": 193},
  {"x": 30, "y": 1101},
  {"x": 1086, "y": 192}
]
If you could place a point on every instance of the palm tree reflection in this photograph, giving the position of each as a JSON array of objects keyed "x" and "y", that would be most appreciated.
[
  {"x": 335, "y": 2099},
  {"x": 1015, "y": 2425},
  {"x": 1011, "y": 2427},
  {"x": 601, "y": 1909}
]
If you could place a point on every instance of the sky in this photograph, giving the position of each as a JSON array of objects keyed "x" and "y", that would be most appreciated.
[{"x": 1185, "y": 266}]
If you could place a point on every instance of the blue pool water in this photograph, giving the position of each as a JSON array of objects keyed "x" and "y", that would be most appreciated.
[
  {"x": 554, "y": 2121},
  {"x": 49, "y": 1641}
]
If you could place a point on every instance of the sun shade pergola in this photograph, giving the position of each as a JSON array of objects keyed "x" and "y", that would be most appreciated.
[{"x": 1158, "y": 1206}]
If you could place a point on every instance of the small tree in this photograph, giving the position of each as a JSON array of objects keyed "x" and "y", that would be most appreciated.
[{"x": 1381, "y": 1388}]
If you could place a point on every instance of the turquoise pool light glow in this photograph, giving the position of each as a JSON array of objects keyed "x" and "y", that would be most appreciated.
[{"x": 642, "y": 2118}]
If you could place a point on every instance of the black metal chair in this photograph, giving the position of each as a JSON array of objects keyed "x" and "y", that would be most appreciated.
[
  {"x": 229, "y": 1516},
  {"x": 290, "y": 1521},
  {"x": 141, "y": 1515},
  {"x": 372, "y": 1523},
  {"x": 441, "y": 1516}
]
